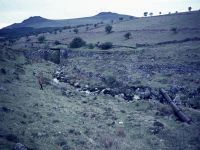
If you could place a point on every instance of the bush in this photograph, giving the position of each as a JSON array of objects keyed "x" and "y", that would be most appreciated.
[
  {"x": 121, "y": 18},
  {"x": 75, "y": 30},
  {"x": 90, "y": 46},
  {"x": 41, "y": 39},
  {"x": 127, "y": 35},
  {"x": 95, "y": 25},
  {"x": 56, "y": 42},
  {"x": 145, "y": 14},
  {"x": 106, "y": 45},
  {"x": 150, "y": 14},
  {"x": 77, "y": 43},
  {"x": 108, "y": 29},
  {"x": 189, "y": 8},
  {"x": 174, "y": 30}
]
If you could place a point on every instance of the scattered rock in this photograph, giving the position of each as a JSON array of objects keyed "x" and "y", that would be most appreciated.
[
  {"x": 56, "y": 121},
  {"x": 108, "y": 91},
  {"x": 19, "y": 146},
  {"x": 157, "y": 127},
  {"x": 177, "y": 99},
  {"x": 112, "y": 123},
  {"x": 136, "y": 97},
  {"x": 61, "y": 141},
  {"x": 71, "y": 131},
  {"x": 39, "y": 134},
  {"x": 144, "y": 93},
  {"x": 67, "y": 147},
  {"x": 2, "y": 88},
  {"x": 122, "y": 111}
]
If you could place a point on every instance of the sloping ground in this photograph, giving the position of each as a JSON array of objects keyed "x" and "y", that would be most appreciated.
[
  {"x": 149, "y": 30},
  {"x": 66, "y": 115},
  {"x": 61, "y": 117},
  {"x": 164, "y": 22}
]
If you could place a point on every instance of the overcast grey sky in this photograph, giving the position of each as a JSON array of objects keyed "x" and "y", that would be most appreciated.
[{"x": 15, "y": 11}]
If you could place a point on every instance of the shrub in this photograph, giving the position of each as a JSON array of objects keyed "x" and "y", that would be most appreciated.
[
  {"x": 131, "y": 17},
  {"x": 121, "y": 18},
  {"x": 106, "y": 45},
  {"x": 174, "y": 30},
  {"x": 127, "y": 35},
  {"x": 90, "y": 46},
  {"x": 41, "y": 39},
  {"x": 97, "y": 44},
  {"x": 56, "y": 42},
  {"x": 151, "y": 14},
  {"x": 77, "y": 43},
  {"x": 66, "y": 27},
  {"x": 108, "y": 29},
  {"x": 75, "y": 30},
  {"x": 189, "y": 8},
  {"x": 145, "y": 14}
]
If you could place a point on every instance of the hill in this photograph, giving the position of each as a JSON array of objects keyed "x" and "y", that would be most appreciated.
[{"x": 39, "y": 22}]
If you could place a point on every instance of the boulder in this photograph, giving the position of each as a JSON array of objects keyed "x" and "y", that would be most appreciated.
[{"x": 143, "y": 92}]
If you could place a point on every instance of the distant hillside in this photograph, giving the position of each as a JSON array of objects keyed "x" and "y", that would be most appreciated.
[{"x": 39, "y": 22}]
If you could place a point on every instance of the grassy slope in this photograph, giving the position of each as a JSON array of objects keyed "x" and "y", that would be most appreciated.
[
  {"x": 144, "y": 30},
  {"x": 46, "y": 119}
]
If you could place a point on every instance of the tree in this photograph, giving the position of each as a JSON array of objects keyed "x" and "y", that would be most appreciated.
[
  {"x": 75, "y": 30},
  {"x": 121, "y": 18},
  {"x": 151, "y": 14},
  {"x": 127, "y": 35},
  {"x": 106, "y": 46},
  {"x": 108, "y": 29},
  {"x": 41, "y": 39},
  {"x": 77, "y": 43},
  {"x": 131, "y": 17},
  {"x": 57, "y": 42},
  {"x": 160, "y": 13},
  {"x": 189, "y": 8},
  {"x": 145, "y": 14}
]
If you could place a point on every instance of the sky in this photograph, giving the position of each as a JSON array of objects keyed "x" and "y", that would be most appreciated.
[{"x": 15, "y": 11}]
